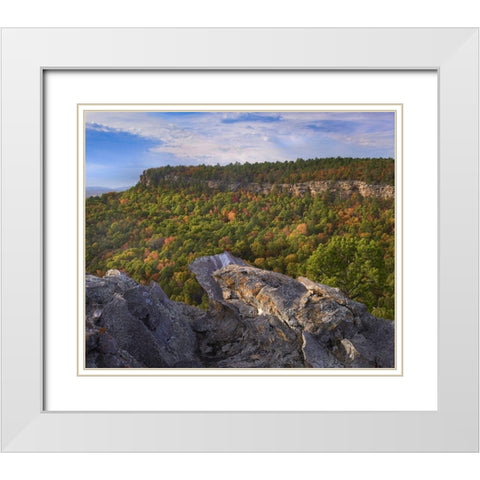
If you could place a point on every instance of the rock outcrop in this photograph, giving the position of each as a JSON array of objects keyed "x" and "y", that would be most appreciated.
[
  {"x": 256, "y": 319},
  {"x": 140, "y": 325},
  {"x": 338, "y": 188}
]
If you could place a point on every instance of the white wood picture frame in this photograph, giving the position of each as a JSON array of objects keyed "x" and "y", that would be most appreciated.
[{"x": 28, "y": 53}]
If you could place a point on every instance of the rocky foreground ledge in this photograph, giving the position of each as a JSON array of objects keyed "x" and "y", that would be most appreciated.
[{"x": 256, "y": 318}]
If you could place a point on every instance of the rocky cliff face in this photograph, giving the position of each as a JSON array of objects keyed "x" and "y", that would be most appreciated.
[
  {"x": 341, "y": 188},
  {"x": 338, "y": 188},
  {"x": 256, "y": 319}
]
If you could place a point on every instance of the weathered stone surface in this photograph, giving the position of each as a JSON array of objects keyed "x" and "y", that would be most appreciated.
[
  {"x": 175, "y": 335},
  {"x": 204, "y": 267},
  {"x": 256, "y": 319},
  {"x": 341, "y": 189},
  {"x": 99, "y": 291},
  {"x": 141, "y": 306},
  {"x": 102, "y": 350},
  {"x": 317, "y": 355},
  {"x": 248, "y": 342},
  {"x": 130, "y": 325},
  {"x": 332, "y": 330},
  {"x": 131, "y": 333},
  {"x": 266, "y": 292},
  {"x": 337, "y": 188}
]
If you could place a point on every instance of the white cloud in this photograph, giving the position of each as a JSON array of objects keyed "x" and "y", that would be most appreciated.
[{"x": 246, "y": 137}]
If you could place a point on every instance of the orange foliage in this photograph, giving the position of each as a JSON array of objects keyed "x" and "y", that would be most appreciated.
[
  {"x": 302, "y": 228},
  {"x": 322, "y": 236}
]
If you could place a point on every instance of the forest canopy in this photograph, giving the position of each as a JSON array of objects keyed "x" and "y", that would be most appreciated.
[
  {"x": 172, "y": 216},
  {"x": 369, "y": 170}
]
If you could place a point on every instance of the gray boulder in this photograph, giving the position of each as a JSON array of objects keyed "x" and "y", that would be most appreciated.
[
  {"x": 320, "y": 323},
  {"x": 130, "y": 333},
  {"x": 256, "y": 319},
  {"x": 130, "y": 325}
]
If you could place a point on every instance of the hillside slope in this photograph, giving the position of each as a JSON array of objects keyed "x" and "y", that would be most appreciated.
[{"x": 331, "y": 220}]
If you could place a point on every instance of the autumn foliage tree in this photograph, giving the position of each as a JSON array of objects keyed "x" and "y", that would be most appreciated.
[{"x": 154, "y": 231}]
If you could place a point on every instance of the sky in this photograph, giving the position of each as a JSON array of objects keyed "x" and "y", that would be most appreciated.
[{"x": 120, "y": 145}]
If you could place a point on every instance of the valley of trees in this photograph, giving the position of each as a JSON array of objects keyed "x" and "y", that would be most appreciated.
[{"x": 155, "y": 229}]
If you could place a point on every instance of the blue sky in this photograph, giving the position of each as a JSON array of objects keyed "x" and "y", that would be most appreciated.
[{"x": 120, "y": 145}]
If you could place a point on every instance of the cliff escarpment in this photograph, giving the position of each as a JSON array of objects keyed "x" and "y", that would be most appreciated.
[
  {"x": 337, "y": 188},
  {"x": 340, "y": 188}
]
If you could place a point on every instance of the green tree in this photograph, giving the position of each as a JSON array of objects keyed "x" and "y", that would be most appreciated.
[{"x": 355, "y": 265}]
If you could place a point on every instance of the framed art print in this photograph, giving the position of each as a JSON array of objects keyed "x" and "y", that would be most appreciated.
[
  {"x": 231, "y": 237},
  {"x": 286, "y": 349},
  {"x": 225, "y": 197}
]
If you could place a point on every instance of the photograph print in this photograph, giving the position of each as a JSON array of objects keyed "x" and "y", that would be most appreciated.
[{"x": 240, "y": 238}]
